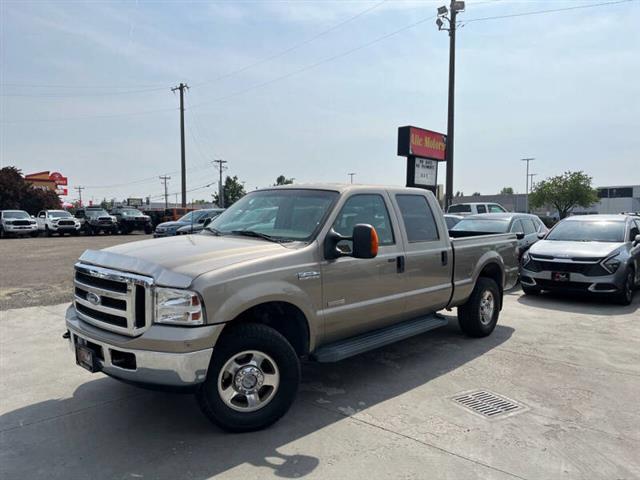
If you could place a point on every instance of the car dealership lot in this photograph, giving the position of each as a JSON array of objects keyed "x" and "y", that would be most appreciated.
[
  {"x": 39, "y": 271},
  {"x": 572, "y": 364}
]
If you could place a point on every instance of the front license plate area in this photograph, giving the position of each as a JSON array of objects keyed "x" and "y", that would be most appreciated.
[
  {"x": 86, "y": 358},
  {"x": 560, "y": 276}
]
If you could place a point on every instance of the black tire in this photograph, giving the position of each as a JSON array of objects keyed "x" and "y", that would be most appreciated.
[
  {"x": 470, "y": 318},
  {"x": 2, "y": 234},
  {"x": 250, "y": 336},
  {"x": 625, "y": 296},
  {"x": 35, "y": 234},
  {"x": 148, "y": 230},
  {"x": 530, "y": 290},
  {"x": 47, "y": 232}
]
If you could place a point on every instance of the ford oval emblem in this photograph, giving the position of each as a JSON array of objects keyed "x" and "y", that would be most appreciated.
[{"x": 92, "y": 298}]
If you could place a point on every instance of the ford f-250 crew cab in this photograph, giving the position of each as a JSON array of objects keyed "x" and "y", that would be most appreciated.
[{"x": 320, "y": 272}]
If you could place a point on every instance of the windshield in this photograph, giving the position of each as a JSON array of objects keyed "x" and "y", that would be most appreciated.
[
  {"x": 131, "y": 212},
  {"x": 59, "y": 214},
  {"x": 193, "y": 216},
  {"x": 96, "y": 213},
  {"x": 281, "y": 214},
  {"x": 17, "y": 214},
  {"x": 588, "y": 231},
  {"x": 459, "y": 209},
  {"x": 478, "y": 225}
]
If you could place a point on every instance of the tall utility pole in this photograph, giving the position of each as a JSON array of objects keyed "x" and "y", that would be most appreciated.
[
  {"x": 221, "y": 168},
  {"x": 531, "y": 159},
  {"x": 455, "y": 7},
  {"x": 79, "y": 189},
  {"x": 164, "y": 179},
  {"x": 182, "y": 88},
  {"x": 351, "y": 175}
]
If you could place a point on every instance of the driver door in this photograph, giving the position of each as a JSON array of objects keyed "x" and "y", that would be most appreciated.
[{"x": 364, "y": 294}]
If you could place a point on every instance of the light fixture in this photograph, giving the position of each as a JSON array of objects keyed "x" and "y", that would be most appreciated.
[
  {"x": 443, "y": 10},
  {"x": 458, "y": 6},
  {"x": 439, "y": 23}
]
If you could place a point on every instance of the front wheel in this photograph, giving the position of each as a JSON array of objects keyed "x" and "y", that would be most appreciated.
[
  {"x": 47, "y": 232},
  {"x": 148, "y": 229},
  {"x": 479, "y": 316},
  {"x": 252, "y": 379},
  {"x": 625, "y": 296}
]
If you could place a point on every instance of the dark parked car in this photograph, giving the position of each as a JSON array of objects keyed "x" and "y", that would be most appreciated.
[
  {"x": 598, "y": 254},
  {"x": 130, "y": 219},
  {"x": 95, "y": 220},
  {"x": 199, "y": 226},
  {"x": 530, "y": 226},
  {"x": 452, "y": 220},
  {"x": 194, "y": 218}
]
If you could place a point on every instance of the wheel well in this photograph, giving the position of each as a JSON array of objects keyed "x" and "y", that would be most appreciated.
[
  {"x": 494, "y": 272},
  {"x": 285, "y": 318}
]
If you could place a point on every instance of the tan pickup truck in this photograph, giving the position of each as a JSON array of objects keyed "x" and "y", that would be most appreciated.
[{"x": 317, "y": 272}]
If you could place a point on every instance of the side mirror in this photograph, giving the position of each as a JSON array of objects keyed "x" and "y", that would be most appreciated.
[
  {"x": 519, "y": 235},
  {"x": 636, "y": 241},
  {"x": 365, "y": 243},
  {"x": 541, "y": 235},
  {"x": 33, "y": 216}
]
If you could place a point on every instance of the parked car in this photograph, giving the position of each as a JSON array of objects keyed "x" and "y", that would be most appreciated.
[
  {"x": 597, "y": 254},
  {"x": 95, "y": 220},
  {"x": 186, "y": 222},
  {"x": 17, "y": 222},
  {"x": 200, "y": 225},
  {"x": 173, "y": 214},
  {"x": 527, "y": 227},
  {"x": 332, "y": 272},
  {"x": 130, "y": 219},
  {"x": 475, "y": 208},
  {"x": 57, "y": 221},
  {"x": 452, "y": 220}
]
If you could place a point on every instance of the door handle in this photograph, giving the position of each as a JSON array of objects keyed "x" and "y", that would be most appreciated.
[
  {"x": 400, "y": 264},
  {"x": 444, "y": 257}
]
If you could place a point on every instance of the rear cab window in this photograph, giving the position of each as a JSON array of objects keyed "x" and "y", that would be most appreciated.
[
  {"x": 459, "y": 209},
  {"x": 419, "y": 222}
]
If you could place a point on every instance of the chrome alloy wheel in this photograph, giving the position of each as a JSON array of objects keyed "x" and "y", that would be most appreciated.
[
  {"x": 248, "y": 381},
  {"x": 487, "y": 307}
]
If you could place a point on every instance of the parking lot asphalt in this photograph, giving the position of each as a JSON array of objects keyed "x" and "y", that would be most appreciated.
[
  {"x": 572, "y": 365},
  {"x": 39, "y": 271}
]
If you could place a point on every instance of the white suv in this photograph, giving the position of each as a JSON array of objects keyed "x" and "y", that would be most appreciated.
[
  {"x": 57, "y": 221},
  {"x": 474, "y": 208},
  {"x": 17, "y": 222}
]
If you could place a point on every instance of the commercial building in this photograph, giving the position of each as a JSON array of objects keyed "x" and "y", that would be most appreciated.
[{"x": 613, "y": 199}]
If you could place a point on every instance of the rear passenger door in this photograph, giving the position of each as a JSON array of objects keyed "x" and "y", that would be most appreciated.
[{"x": 428, "y": 259}]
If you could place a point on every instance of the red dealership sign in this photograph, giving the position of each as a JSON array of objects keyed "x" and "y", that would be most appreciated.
[
  {"x": 58, "y": 178},
  {"x": 418, "y": 142}
]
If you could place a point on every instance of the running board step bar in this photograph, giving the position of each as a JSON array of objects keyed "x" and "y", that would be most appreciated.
[{"x": 349, "y": 347}]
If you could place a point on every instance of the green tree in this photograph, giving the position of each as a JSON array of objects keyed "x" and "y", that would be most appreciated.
[
  {"x": 232, "y": 191},
  {"x": 506, "y": 191},
  {"x": 16, "y": 193},
  {"x": 564, "y": 192},
  {"x": 282, "y": 180}
]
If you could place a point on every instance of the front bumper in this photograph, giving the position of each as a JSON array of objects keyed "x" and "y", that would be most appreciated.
[
  {"x": 164, "y": 233},
  {"x": 162, "y": 356},
  {"x": 577, "y": 282},
  {"x": 64, "y": 228},
  {"x": 20, "y": 229}
]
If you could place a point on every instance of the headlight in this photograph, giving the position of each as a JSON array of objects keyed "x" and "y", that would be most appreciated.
[
  {"x": 33, "y": 222},
  {"x": 178, "y": 307},
  {"x": 526, "y": 258},
  {"x": 611, "y": 264}
]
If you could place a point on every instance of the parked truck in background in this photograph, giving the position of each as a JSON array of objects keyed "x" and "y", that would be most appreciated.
[
  {"x": 95, "y": 220},
  {"x": 319, "y": 272},
  {"x": 130, "y": 219},
  {"x": 17, "y": 222},
  {"x": 57, "y": 221}
]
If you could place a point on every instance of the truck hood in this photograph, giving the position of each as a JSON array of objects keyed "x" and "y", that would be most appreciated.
[
  {"x": 176, "y": 261},
  {"x": 560, "y": 249}
]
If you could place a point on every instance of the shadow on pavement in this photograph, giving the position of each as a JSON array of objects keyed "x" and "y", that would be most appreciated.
[
  {"x": 579, "y": 303},
  {"x": 111, "y": 430}
]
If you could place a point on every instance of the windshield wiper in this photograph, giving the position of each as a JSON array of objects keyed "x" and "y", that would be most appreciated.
[{"x": 252, "y": 233}]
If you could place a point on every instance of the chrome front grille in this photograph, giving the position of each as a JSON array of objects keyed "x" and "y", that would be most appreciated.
[{"x": 117, "y": 301}]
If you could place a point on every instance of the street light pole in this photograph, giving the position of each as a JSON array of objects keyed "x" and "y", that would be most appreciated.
[
  {"x": 455, "y": 7},
  {"x": 351, "y": 175},
  {"x": 531, "y": 159}
]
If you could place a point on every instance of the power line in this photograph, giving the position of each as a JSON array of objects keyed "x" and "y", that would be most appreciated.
[
  {"x": 292, "y": 47},
  {"x": 554, "y": 10},
  {"x": 73, "y": 95}
]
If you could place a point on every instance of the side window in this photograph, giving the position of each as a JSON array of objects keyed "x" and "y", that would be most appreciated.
[
  {"x": 493, "y": 208},
  {"x": 80, "y": 214},
  {"x": 634, "y": 231},
  {"x": 482, "y": 209},
  {"x": 41, "y": 214},
  {"x": 516, "y": 227},
  {"x": 418, "y": 218},
  {"x": 364, "y": 208},
  {"x": 529, "y": 226}
]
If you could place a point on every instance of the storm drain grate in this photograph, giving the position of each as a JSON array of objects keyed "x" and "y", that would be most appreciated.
[{"x": 487, "y": 404}]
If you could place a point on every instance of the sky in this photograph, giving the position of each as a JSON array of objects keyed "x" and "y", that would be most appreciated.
[{"x": 314, "y": 90}]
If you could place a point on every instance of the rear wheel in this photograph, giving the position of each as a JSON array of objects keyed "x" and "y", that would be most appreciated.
[
  {"x": 479, "y": 316},
  {"x": 148, "y": 229},
  {"x": 252, "y": 379},
  {"x": 625, "y": 296}
]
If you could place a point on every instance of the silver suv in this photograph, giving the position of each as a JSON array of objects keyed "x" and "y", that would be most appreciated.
[{"x": 598, "y": 254}]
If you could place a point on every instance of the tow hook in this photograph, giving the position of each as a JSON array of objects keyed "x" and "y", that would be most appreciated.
[{"x": 66, "y": 335}]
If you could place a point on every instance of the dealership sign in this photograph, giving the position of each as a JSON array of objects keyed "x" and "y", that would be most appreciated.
[
  {"x": 61, "y": 183},
  {"x": 423, "y": 149}
]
